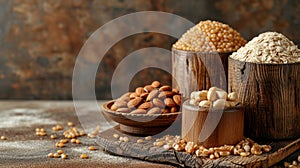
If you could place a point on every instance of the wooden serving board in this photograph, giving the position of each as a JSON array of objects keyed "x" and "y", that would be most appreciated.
[{"x": 146, "y": 151}]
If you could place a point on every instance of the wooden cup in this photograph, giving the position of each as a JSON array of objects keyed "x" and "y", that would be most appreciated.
[
  {"x": 198, "y": 70},
  {"x": 271, "y": 96},
  {"x": 228, "y": 130}
]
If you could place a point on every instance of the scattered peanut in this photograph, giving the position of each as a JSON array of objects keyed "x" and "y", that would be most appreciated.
[
  {"x": 56, "y": 155},
  {"x": 78, "y": 141},
  {"x": 52, "y": 136},
  {"x": 51, "y": 155},
  {"x": 148, "y": 138},
  {"x": 64, "y": 156},
  {"x": 58, "y": 127},
  {"x": 70, "y": 124},
  {"x": 60, "y": 152},
  {"x": 125, "y": 139},
  {"x": 64, "y": 141},
  {"x": 84, "y": 156},
  {"x": 116, "y": 136},
  {"x": 140, "y": 141},
  {"x": 92, "y": 148},
  {"x": 3, "y": 138}
]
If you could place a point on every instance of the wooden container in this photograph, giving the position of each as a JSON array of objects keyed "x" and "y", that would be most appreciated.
[
  {"x": 140, "y": 124},
  {"x": 198, "y": 70},
  {"x": 227, "y": 126},
  {"x": 271, "y": 96}
]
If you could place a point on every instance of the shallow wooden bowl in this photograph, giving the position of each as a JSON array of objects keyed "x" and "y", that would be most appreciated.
[
  {"x": 271, "y": 96},
  {"x": 198, "y": 70},
  {"x": 229, "y": 130},
  {"x": 140, "y": 124}
]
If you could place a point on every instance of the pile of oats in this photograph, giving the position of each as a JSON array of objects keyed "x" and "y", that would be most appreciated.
[{"x": 269, "y": 47}]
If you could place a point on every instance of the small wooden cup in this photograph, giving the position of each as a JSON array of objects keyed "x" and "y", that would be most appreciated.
[
  {"x": 198, "y": 70},
  {"x": 229, "y": 130},
  {"x": 271, "y": 96}
]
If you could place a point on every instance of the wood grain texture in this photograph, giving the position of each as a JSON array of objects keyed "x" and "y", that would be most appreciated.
[
  {"x": 271, "y": 96},
  {"x": 198, "y": 70},
  {"x": 229, "y": 130},
  {"x": 146, "y": 151}
]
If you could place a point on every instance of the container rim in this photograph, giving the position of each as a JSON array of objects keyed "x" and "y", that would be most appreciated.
[
  {"x": 269, "y": 64},
  {"x": 206, "y": 52},
  {"x": 198, "y": 109}
]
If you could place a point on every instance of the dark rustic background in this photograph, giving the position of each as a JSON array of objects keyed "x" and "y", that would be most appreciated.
[{"x": 40, "y": 39}]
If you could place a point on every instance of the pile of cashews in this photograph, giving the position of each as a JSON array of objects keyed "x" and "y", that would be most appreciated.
[{"x": 214, "y": 97}]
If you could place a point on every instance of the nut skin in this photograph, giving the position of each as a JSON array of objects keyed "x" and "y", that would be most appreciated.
[
  {"x": 125, "y": 97},
  {"x": 145, "y": 105},
  {"x": 120, "y": 103},
  {"x": 139, "y": 91},
  {"x": 157, "y": 102},
  {"x": 177, "y": 99},
  {"x": 154, "y": 110},
  {"x": 165, "y": 88},
  {"x": 148, "y": 88},
  {"x": 155, "y": 84},
  {"x": 169, "y": 102},
  {"x": 134, "y": 102},
  {"x": 113, "y": 107},
  {"x": 138, "y": 111},
  {"x": 144, "y": 95},
  {"x": 165, "y": 94},
  {"x": 152, "y": 94},
  {"x": 173, "y": 110},
  {"x": 123, "y": 110}
]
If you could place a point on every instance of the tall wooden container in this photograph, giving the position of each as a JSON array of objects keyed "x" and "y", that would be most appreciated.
[
  {"x": 198, "y": 70},
  {"x": 228, "y": 130},
  {"x": 271, "y": 96}
]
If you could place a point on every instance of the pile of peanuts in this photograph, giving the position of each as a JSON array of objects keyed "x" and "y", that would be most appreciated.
[
  {"x": 71, "y": 134},
  {"x": 294, "y": 164},
  {"x": 269, "y": 47},
  {"x": 150, "y": 99},
  {"x": 209, "y": 36},
  {"x": 244, "y": 148},
  {"x": 214, "y": 97}
]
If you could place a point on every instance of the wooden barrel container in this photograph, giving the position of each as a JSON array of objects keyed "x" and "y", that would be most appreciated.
[
  {"x": 198, "y": 70},
  {"x": 271, "y": 96},
  {"x": 229, "y": 129}
]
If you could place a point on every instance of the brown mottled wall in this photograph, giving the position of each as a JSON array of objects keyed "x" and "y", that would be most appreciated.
[{"x": 40, "y": 39}]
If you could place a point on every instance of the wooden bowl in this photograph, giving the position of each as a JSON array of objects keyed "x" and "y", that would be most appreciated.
[
  {"x": 228, "y": 130},
  {"x": 140, "y": 124},
  {"x": 271, "y": 96},
  {"x": 198, "y": 70}
]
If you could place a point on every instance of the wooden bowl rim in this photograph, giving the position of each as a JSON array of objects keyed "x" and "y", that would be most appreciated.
[
  {"x": 207, "y": 109},
  {"x": 258, "y": 63},
  {"x": 201, "y": 52},
  {"x": 106, "y": 109}
]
